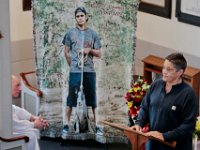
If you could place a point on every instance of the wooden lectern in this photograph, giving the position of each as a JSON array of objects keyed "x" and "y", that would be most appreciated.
[{"x": 137, "y": 139}]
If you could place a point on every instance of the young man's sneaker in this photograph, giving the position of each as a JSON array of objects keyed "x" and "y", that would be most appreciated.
[
  {"x": 65, "y": 131},
  {"x": 99, "y": 131}
]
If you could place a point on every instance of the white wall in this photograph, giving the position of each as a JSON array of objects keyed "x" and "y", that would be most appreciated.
[
  {"x": 21, "y": 22},
  {"x": 22, "y": 56},
  {"x": 169, "y": 33},
  {"x": 21, "y": 33}
]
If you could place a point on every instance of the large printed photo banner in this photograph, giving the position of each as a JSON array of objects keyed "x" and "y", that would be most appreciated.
[{"x": 115, "y": 23}]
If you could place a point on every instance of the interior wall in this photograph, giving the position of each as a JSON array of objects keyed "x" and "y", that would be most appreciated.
[
  {"x": 22, "y": 56},
  {"x": 160, "y": 36},
  {"x": 144, "y": 48},
  {"x": 21, "y": 22},
  {"x": 21, "y": 30},
  {"x": 169, "y": 33}
]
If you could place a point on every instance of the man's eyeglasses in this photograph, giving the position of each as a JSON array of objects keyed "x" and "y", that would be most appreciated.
[{"x": 79, "y": 16}]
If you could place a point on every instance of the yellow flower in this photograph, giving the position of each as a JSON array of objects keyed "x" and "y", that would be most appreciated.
[
  {"x": 138, "y": 96},
  {"x": 197, "y": 128},
  {"x": 137, "y": 89},
  {"x": 130, "y": 90},
  {"x": 130, "y": 104}
]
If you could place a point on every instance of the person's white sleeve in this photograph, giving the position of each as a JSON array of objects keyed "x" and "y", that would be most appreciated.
[
  {"x": 21, "y": 113},
  {"x": 21, "y": 119}
]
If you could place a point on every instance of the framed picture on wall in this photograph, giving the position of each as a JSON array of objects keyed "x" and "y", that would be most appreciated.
[
  {"x": 1, "y": 36},
  {"x": 157, "y": 7},
  {"x": 26, "y": 5},
  {"x": 188, "y": 11}
]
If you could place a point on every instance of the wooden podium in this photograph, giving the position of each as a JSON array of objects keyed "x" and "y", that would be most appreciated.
[{"x": 137, "y": 139}]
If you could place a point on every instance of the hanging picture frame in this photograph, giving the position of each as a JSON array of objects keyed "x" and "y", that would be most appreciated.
[
  {"x": 1, "y": 36},
  {"x": 156, "y": 7},
  {"x": 26, "y": 5},
  {"x": 188, "y": 11}
]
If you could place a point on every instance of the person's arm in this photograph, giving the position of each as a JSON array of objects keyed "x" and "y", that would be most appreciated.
[
  {"x": 24, "y": 125},
  {"x": 67, "y": 42},
  {"x": 23, "y": 120},
  {"x": 39, "y": 122},
  {"x": 156, "y": 134},
  {"x": 21, "y": 113},
  {"x": 67, "y": 55},
  {"x": 96, "y": 52},
  {"x": 93, "y": 52}
]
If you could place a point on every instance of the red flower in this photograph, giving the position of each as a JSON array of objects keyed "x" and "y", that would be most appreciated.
[{"x": 135, "y": 95}]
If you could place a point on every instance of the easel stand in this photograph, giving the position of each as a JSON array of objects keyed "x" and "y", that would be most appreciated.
[{"x": 137, "y": 139}]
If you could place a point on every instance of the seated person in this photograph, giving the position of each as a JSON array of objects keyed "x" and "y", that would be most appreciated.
[{"x": 24, "y": 123}]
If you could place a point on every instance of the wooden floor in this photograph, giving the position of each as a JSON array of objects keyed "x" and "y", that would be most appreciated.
[{"x": 59, "y": 144}]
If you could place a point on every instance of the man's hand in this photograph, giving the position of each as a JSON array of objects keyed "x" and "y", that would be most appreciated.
[
  {"x": 137, "y": 128},
  {"x": 33, "y": 118},
  {"x": 40, "y": 123},
  {"x": 86, "y": 51},
  {"x": 155, "y": 134},
  {"x": 93, "y": 52}
]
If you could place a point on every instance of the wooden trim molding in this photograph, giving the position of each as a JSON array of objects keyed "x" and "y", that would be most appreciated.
[
  {"x": 25, "y": 138},
  {"x": 23, "y": 77}
]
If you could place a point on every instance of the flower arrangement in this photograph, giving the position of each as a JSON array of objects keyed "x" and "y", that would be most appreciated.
[
  {"x": 197, "y": 128},
  {"x": 134, "y": 97}
]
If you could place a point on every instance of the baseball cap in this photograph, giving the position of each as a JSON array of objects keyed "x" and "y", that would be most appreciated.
[{"x": 80, "y": 9}]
